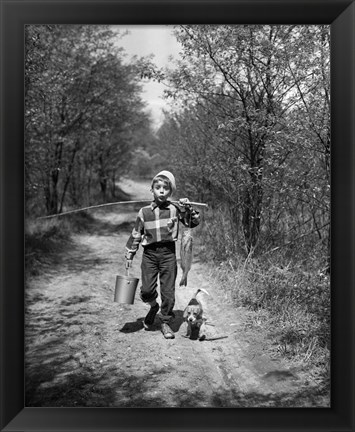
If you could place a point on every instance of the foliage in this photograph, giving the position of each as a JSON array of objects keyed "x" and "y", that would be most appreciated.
[
  {"x": 82, "y": 114},
  {"x": 252, "y": 135},
  {"x": 289, "y": 300},
  {"x": 41, "y": 240},
  {"x": 44, "y": 238}
]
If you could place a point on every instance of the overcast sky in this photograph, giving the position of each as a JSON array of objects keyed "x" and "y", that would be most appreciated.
[{"x": 151, "y": 39}]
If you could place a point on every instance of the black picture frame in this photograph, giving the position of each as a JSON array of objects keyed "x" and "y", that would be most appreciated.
[{"x": 340, "y": 14}]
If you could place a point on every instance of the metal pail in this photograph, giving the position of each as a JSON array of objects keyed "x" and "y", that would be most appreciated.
[{"x": 125, "y": 289}]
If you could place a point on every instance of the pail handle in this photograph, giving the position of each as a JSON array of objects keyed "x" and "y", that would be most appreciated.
[{"x": 127, "y": 268}]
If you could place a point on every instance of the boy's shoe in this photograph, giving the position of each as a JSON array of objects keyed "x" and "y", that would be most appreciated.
[
  {"x": 167, "y": 332},
  {"x": 149, "y": 319}
]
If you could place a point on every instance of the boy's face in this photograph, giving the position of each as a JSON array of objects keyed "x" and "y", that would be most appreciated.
[{"x": 161, "y": 191}]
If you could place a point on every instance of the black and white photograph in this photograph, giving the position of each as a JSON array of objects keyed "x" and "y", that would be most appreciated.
[{"x": 177, "y": 216}]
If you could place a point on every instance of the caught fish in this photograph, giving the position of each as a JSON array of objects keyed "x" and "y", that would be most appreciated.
[{"x": 186, "y": 255}]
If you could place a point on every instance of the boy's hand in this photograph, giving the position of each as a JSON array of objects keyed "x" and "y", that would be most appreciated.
[
  {"x": 128, "y": 263},
  {"x": 195, "y": 216},
  {"x": 185, "y": 202}
]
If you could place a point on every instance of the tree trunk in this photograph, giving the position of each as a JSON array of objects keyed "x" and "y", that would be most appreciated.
[
  {"x": 113, "y": 185},
  {"x": 252, "y": 206},
  {"x": 69, "y": 174},
  {"x": 103, "y": 185},
  {"x": 53, "y": 193}
]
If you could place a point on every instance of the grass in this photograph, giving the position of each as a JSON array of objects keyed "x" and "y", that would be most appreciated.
[
  {"x": 289, "y": 297},
  {"x": 45, "y": 237}
]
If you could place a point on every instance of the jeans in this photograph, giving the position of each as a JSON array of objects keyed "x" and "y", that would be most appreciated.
[{"x": 159, "y": 259}]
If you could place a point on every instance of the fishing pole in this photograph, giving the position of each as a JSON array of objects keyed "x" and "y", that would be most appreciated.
[{"x": 115, "y": 203}]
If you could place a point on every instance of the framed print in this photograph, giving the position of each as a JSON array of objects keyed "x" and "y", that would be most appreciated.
[{"x": 23, "y": 407}]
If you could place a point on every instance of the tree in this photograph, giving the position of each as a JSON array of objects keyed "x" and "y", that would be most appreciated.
[
  {"x": 255, "y": 85},
  {"x": 82, "y": 104}
]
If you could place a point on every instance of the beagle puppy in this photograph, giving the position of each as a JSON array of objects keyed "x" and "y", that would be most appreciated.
[{"x": 193, "y": 316}]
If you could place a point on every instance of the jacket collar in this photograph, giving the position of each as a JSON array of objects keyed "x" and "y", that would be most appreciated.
[{"x": 154, "y": 205}]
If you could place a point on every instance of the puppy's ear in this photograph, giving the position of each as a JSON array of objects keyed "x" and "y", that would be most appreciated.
[
  {"x": 185, "y": 313},
  {"x": 198, "y": 312}
]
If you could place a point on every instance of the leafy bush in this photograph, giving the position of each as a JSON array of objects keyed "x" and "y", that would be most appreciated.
[
  {"x": 292, "y": 300},
  {"x": 45, "y": 237}
]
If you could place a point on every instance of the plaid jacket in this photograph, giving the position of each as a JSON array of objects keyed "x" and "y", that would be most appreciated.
[{"x": 158, "y": 225}]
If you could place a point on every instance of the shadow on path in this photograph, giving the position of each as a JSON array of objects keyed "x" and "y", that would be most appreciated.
[
  {"x": 51, "y": 385},
  {"x": 135, "y": 326}
]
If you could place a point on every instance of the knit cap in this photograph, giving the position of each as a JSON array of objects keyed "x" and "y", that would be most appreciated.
[{"x": 168, "y": 175}]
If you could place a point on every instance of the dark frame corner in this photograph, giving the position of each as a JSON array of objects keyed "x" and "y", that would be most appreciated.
[{"x": 340, "y": 14}]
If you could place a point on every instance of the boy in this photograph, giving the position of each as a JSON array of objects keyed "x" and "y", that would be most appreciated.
[{"x": 157, "y": 228}]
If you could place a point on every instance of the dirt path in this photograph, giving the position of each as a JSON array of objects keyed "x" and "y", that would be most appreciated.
[{"x": 83, "y": 349}]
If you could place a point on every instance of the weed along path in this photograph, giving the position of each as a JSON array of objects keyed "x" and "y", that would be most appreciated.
[{"x": 85, "y": 350}]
